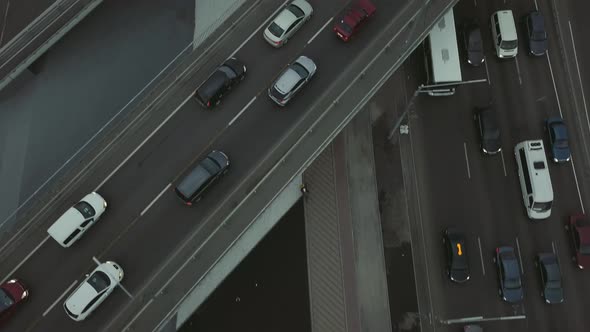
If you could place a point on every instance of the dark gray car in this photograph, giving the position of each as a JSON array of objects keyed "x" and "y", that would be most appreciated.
[
  {"x": 536, "y": 33},
  {"x": 489, "y": 131},
  {"x": 225, "y": 77},
  {"x": 472, "y": 43},
  {"x": 192, "y": 187},
  {"x": 550, "y": 277},
  {"x": 293, "y": 78},
  {"x": 509, "y": 275}
]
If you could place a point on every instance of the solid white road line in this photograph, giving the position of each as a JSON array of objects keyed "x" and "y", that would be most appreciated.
[
  {"x": 466, "y": 160},
  {"x": 259, "y": 27},
  {"x": 25, "y": 259},
  {"x": 553, "y": 247},
  {"x": 579, "y": 75},
  {"x": 554, "y": 85},
  {"x": 59, "y": 298},
  {"x": 518, "y": 70},
  {"x": 320, "y": 30},
  {"x": 481, "y": 256},
  {"x": 519, "y": 256},
  {"x": 96, "y": 260},
  {"x": 503, "y": 163},
  {"x": 536, "y": 5},
  {"x": 242, "y": 111},
  {"x": 4, "y": 24},
  {"x": 577, "y": 185},
  {"x": 143, "y": 142},
  {"x": 155, "y": 199},
  {"x": 487, "y": 71}
]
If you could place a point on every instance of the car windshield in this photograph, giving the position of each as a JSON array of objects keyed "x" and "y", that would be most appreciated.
[
  {"x": 553, "y": 284},
  {"x": 345, "y": 27},
  {"x": 5, "y": 300},
  {"x": 295, "y": 10},
  {"x": 491, "y": 134},
  {"x": 475, "y": 40},
  {"x": 509, "y": 44},
  {"x": 513, "y": 283},
  {"x": 542, "y": 206},
  {"x": 276, "y": 30},
  {"x": 210, "y": 165},
  {"x": 99, "y": 281},
  {"x": 539, "y": 35},
  {"x": 299, "y": 69},
  {"x": 562, "y": 143},
  {"x": 85, "y": 209},
  {"x": 585, "y": 249},
  {"x": 228, "y": 71}
]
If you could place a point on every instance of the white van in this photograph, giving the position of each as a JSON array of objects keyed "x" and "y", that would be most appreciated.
[
  {"x": 504, "y": 34},
  {"x": 77, "y": 219},
  {"x": 533, "y": 175}
]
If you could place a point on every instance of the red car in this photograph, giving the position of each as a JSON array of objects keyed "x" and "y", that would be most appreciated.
[
  {"x": 579, "y": 228},
  {"x": 352, "y": 18},
  {"x": 12, "y": 293}
]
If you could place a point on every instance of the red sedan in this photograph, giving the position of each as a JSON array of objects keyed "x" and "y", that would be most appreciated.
[
  {"x": 579, "y": 228},
  {"x": 12, "y": 293},
  {"x": 352, "y": 18}
]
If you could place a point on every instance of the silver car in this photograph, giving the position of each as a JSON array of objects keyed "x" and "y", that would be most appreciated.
[
  {"x": 288, "y": 22},
  {"x": 291, "y": 80}
]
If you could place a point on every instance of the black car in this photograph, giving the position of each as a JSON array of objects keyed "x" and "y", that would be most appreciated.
[
  {"x": 509, "y": 275},
  {"x": 536, "y": 33},
  {"x": 192, "y": 187},
  {"x": 489, "y": 131},
  {"x": 550, "y": 277},
  {"x": 220, "y": 82},
  {"x": 558, "y": 139},
  {"x": 457, "y": 264},
  {"x": 472, "y": 43}
]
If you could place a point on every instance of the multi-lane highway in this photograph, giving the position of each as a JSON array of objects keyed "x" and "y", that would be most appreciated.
[
  {"x": 144, "y": 221},
  {"x": 459, "y": 186}
]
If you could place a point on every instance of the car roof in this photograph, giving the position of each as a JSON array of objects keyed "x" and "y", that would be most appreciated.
[
  {"x": 551, "y": 266},
  {"x": 507, "y": 25},
  {"x": 584, "y": 234},
  {"x": 212, "y": 85},
  {"x": 489, "y": 118},
  {"x": 287, "y": 81},
  {"x": 194, "y": 180},
  {"x": 285, "y": 19},
  {"x": 537, "y": 20}
]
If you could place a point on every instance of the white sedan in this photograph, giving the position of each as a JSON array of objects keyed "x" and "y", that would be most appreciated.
[
  {"x": 93, "y": 291},
  {"x": 288, "y": 22}
]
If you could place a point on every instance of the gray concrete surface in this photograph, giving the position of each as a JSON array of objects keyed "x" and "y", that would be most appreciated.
[
  {"x": 366, "y": 226},
  {"x": 209, "y": 15},
  {"x": 81, "y": 84}
]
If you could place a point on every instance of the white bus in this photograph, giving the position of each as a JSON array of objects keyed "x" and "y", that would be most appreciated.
[
  {"x": 442, "y": 58},
  {"x": 533, "y": 175}
]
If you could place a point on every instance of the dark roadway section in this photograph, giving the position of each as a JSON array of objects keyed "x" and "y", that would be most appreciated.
[
  {"x": 19, "y": 14},
  {"x": 267, "y": 292}
]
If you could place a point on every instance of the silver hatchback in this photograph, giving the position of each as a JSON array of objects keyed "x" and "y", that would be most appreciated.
[
  {"x": 288, "y": 22},
  {"x": 295, "y": 76}
]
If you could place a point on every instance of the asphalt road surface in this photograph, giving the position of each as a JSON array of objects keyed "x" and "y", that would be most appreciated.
[
  {"x": 459, "y": 186},
  {"x": 145, "y": 221}
]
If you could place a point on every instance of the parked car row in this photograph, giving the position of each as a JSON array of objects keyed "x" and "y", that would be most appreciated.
[{"x": 508, "y": 269}]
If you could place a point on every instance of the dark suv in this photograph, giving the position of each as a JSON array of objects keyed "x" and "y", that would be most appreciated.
[
  {"x": 457, "y": 263},
  {"x": 536, "y": 33},
  {"x": 192, "y": 187},
  {"x": 220, "y": 82}
]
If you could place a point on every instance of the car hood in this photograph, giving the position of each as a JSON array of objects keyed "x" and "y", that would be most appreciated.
[
  {"x": 553, "y": 295},
  {"x": 459, "y": 275},
  {"x": 513, "y": 295},
  {"x": 561, "y": 153},
  {"x": 16, "y": 290},
  {"x": 491, "y": 145},
  {"x": 538, "y": 46},
  {"x": 475, "y": 57},
  {"x": 80, "y": 298},
  {"x": 583, "y": 260},
  {"x": 96, "y": 201}
]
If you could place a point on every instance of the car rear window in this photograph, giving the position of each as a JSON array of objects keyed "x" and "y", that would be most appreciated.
[
  {"x": 299, "y": 69},
  {"x": 99, "y": 281},
  {"x": 85, "y": 209},
  {"x": 345, "y": 27},
  {"x": 275, "y": 29}
]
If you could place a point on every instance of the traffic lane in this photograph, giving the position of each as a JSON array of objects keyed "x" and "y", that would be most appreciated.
[
  {"x": 476, "y": 217},
  {"x": 48, "y": 274},
  {"x": 15, "y": 16}
]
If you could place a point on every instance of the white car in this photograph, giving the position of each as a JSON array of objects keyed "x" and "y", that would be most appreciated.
[
  {"x": 93, "y": 291},
  {"x": 77, "y": 219},
  {"x": 291, "y": 80},
  {"x": 288, "y": 22}
]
